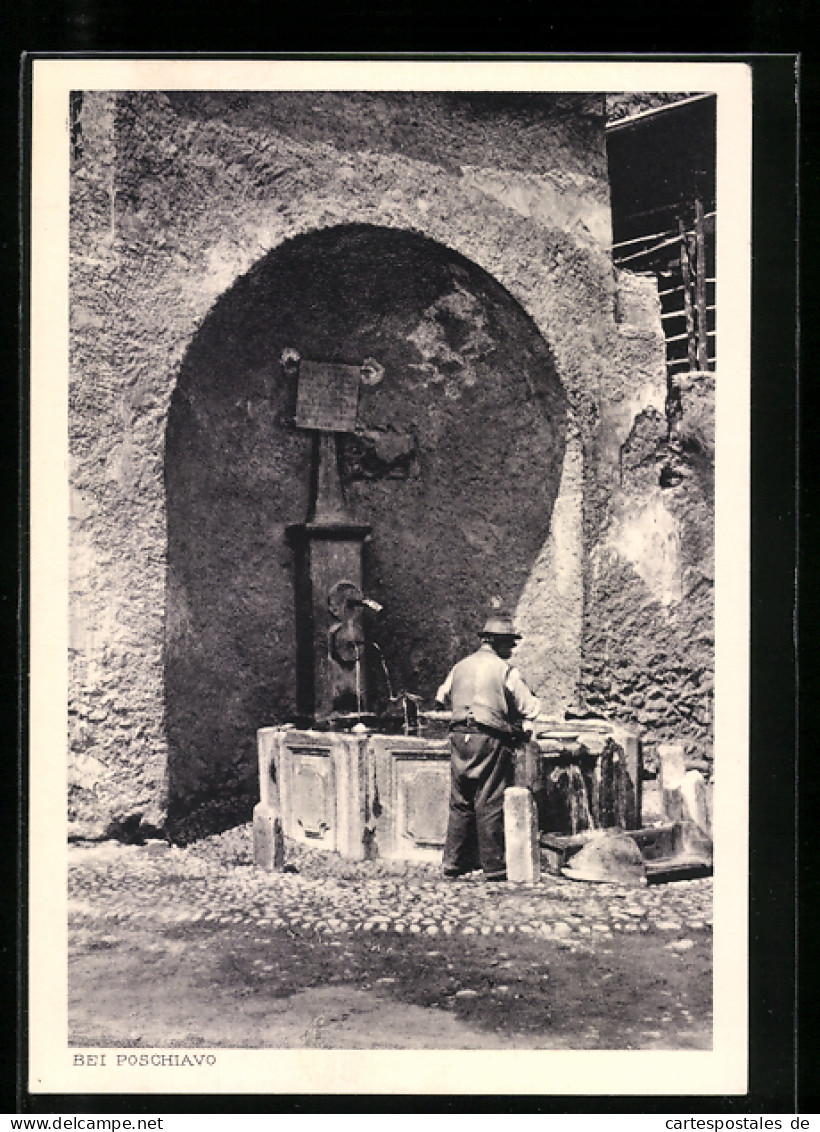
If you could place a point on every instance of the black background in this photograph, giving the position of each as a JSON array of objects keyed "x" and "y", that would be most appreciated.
[{"x": 783, "y": 1041}]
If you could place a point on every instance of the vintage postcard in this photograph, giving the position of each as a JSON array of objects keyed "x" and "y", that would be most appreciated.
[{"x": 389, "y": 590}]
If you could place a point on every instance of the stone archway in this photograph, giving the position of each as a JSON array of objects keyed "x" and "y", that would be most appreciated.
[{"x": 456, "y": 466}]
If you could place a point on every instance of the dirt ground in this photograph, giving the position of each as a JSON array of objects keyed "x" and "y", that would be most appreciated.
[{"x": 162, "y": 956}]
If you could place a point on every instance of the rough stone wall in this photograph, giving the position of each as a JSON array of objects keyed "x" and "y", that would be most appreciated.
[
  {"x": 117, "y": 768},
  {"x": 649, "y": 618},
  {"x": 176, "y": 197}
]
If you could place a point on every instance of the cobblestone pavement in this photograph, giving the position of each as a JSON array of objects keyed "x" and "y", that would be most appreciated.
[{"x": 495, "y": 948}]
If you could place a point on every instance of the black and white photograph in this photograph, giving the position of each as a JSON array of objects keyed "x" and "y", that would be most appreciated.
[{"x": 389, "y": 576}]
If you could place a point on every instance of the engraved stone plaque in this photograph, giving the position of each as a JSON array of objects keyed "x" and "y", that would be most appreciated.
[
  {"x": 327, "y": 397},
  {"x": 425, "y": 794},
  {"x": 313, "y": 803}
]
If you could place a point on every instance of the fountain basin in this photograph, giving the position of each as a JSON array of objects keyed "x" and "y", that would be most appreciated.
[
  {"x": 370, "y": 795},
  {"x": 361, "y": 795},
  {"x": 589, "y": 777}
]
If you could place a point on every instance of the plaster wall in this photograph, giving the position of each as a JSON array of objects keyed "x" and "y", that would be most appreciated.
[{"x": 648, "y": 649}]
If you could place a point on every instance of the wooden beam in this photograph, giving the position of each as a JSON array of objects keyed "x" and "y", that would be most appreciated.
[
  {"x": 644, "y": 239},
  {"x": 700, "y": 286},
  {"x": 687, "y": 296},
  {"x": 621, "y": 260}
]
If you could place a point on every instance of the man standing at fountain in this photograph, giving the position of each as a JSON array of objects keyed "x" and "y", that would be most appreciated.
[{"x": 490, "y": 704}]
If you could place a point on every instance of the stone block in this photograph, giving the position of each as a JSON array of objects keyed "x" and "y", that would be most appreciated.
[
  {"x": 696, "y": 801},
  {"x": 409, "y": 789},
  {"x": 321, "y": 779},
  {"x": 521, "y": 836},
  {"x": 350, "y": 755},
  {"x": 268, "y": 838},
  {"x": 426, "y": 815},
  {"x": 305, "y": 773},
  {"x": 312, "y": 795},
  {"x": 695, "y": 844},
  {"x": 672, "y": 769},
  {"x": 526, "y": 763},
  {"x": 266, "y": 747},
  {"x": 268, "y": 835},
  {"x": 631, "y": 764}
]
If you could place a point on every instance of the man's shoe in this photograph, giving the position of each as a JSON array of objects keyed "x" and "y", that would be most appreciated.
[
  {"x": 454, "y": 874},
  {"x": 495, "y": 876}
]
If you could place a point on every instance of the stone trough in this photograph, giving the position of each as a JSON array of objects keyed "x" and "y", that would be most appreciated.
[
  {"x": 366, "y": 795},
  {"x": 362, "y": 795},
  {"x": 608, "y": 761}
]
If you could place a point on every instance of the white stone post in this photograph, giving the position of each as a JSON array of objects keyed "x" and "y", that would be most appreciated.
[
  {"x": 268, "y": 838},
  {"x": 521, "y": 836},
  {"x": 697, "y": 802}
]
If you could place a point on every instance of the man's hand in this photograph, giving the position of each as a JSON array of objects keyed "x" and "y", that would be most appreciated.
[{"x": 523, "y": 729}]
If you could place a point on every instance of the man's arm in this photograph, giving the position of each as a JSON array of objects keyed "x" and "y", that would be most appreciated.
[
  {"x": 526, "y": 704},
  {"x": 443, "y": 694}
]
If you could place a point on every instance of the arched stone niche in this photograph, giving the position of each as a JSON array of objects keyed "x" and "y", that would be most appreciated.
[{"x": 456, "y": 466}]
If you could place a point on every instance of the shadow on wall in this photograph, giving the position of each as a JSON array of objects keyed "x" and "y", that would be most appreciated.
[{"x": 455, "y": 464}]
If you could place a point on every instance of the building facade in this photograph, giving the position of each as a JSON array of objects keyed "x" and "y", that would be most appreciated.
[{"x": 519, "y": 447}]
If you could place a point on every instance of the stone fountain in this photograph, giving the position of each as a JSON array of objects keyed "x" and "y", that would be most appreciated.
[{"x": 347, "y": 779}]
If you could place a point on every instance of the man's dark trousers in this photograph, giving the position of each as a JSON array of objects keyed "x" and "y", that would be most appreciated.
[{"x": 481, "y": 768}]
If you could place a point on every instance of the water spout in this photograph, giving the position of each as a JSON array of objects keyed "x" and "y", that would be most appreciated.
[
  {"x": 384, "y": 669},
  {"x": 359, "y": 650},
  {"x": 579, "y": 813},
  {"x": 566, "y": 802}
]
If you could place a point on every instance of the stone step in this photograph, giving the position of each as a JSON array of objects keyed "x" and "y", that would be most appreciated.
[{"x": 676, "y": 868}]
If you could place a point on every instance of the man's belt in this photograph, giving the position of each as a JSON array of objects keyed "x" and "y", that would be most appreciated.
[{"x": 473, "y": 727}]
